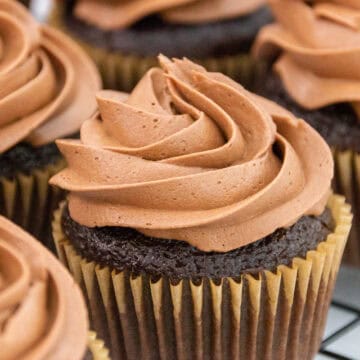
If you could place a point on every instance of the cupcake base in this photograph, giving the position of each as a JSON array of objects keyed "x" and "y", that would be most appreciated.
[
  {"x": 28, "y": 200},
  {"x": 122, "y": 70},
  {"x": 125, "y": 248},
  {"x": 273, "y": 315}
]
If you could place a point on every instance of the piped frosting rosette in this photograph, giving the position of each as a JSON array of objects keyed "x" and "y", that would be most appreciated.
[
  {"x": 42, "y": 312},
  {"x": 47, "y": 83},
  {"x": 191, "y": 155},
  {"x": 121, "y": 14},
  {"x": 320, "y": 44}
]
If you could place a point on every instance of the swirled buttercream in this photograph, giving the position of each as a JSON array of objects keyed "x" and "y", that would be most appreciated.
[
  {"x": 119, "y": 14},
  {"x": 47, "y": 83},
  {"x": 191, "y": 155},
  {"x": 42, "y": 312},
  {"x": 320, "y": 44}
]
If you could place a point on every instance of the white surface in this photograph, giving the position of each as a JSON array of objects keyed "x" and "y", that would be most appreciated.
[
  {"x": 40, "y": 8},
  {"x": 337, "y": 319},
  {"x": 349, "y": 344},
  {"x": 323, "y": 357},
  {"x": 348, "y": 287}
]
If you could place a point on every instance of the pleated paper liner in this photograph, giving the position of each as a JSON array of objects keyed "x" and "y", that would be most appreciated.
[
  {"x": 97, "y": 348},
  {"x": 123, "y": 72},
  {"x": 29, "y": 201},
  {"x": 347, "y": 182},
  {"x": 274, "y": 315}
]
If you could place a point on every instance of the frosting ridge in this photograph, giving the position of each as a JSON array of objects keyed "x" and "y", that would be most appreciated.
[
  {"x": 42, "y": 312},
  {"x": 46, "y": 80},
  {"x": 191, "y": 155},
  {"x": 320, "y": 50},
  {"x": 121, "y": 14}
]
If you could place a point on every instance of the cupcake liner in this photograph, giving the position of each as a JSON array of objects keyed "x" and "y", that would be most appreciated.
[
  {"x": 276, "y": 314},
  {"x": 347, "y": 182},
  {"x": 29, "y": 201},
  {"x": 97, "y": 347},
  {"x": 122, "y": 72}
]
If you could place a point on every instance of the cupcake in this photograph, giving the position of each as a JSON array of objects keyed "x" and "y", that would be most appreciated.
[
  {"x": 47, "y": 84},
  {"x": 42, "y": 311},
  {"x": 314, "y": 49},
  {"x": 199, "y": 222},
  {"x": 124, "y": 37}
]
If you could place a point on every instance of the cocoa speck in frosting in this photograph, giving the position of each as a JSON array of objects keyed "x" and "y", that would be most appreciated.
[
  {"x": 42, "y": 313},
  {"x": 119, "y": 14},
  {"x": 47, "y": 83},
  {"x": 319, "y": 46},
  {"x": 191, "y": 155}
]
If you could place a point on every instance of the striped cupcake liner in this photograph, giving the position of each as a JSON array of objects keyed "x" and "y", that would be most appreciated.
[
  {"x": 29, "y": 201},
  {"x": 347, "y": 182},
  {"x": 276, "y": 314}
]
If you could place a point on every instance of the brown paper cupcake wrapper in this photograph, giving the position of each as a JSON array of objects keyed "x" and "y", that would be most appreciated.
[
  {"x": 97, "y": 347},
  {"x": 29, "y": 201},
  {"x": 122, "y": 72},
  {"x": 274, "y": 315},
  {"x": 347, "y": 182}
]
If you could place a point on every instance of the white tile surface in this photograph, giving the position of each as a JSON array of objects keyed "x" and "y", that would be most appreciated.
[
  {"x": 348, "y": 345},
  {"x": 348, "y": 287},
  {"x": 337, "y": 319},
  {"x": 322, "y": 357},
  {"x": 40, "y": 8}
]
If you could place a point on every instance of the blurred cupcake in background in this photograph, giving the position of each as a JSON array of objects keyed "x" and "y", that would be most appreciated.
[
  {"x": 47, "y": 88},
  {"x": 314, "y": 50},
  {"x": 199, "y": 223},
  {"x": 124, "y": 37},
  {"x": 25, "y": 2},
  {"x": 42, "y": 312}
]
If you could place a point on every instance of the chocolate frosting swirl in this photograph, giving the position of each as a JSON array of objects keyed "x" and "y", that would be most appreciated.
[
  {"x": 119, "y": 14},
  {"x": 320, "y": 43},
  {"x": 47, "y": 83},
  {"x": 191, "y": 155},
  {"x": 42, "y": 312}
]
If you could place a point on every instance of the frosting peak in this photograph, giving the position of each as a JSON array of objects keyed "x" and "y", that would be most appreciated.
[
  {"x": 42, "y": 313},
  {"x": 191, "y": 155},
  {"x": 121, "y": 14},
  {"x": 320, "y": 45},
  {"x": 46, "y": 81}
]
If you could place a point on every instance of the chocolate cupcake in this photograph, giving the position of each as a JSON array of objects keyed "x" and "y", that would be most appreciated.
[
  {"x": 124, "y": 38},
  {"x": 42, "y": 311},
  {"x": 198, "y": 221},
  {"x": 315, "y": 75},
  {"x": 47, "y": 84}
]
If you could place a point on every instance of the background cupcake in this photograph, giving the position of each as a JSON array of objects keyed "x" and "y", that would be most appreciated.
[
  {"x": 47, "y": 84},
  {"x": 197, "y": 222},
  {"x": 25, "y": 2},
  {"x": 124, "y": 38},
  {"x": 317, "y": 76},
  {"x": 42, "y": 311}
]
